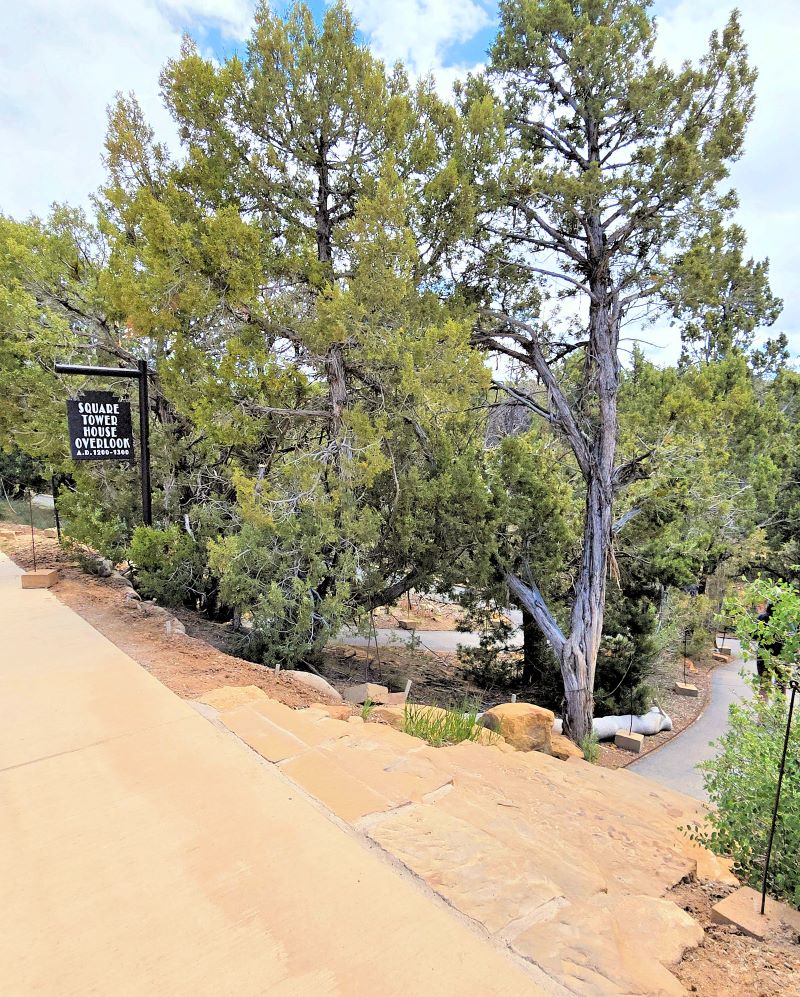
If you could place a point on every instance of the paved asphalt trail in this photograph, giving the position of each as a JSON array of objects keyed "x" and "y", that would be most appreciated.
[{"x": 674, "y": 764}]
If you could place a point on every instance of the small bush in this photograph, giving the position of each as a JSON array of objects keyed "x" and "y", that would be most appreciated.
[
  {"x": 590, "y": 746},
  {"x": 170, "y": 565},
  {"x": 742, "y": 780},
  {"x": 741, "y": 784},
  {"x": 440, "y": 727}
]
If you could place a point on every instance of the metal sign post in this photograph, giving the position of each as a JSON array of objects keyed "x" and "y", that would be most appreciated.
[{"x": 139, "y": 373}]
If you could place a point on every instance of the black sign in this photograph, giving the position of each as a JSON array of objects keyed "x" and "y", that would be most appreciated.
[{"x": 100, "y": 427}]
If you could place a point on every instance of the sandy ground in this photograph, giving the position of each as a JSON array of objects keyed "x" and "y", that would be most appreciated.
[{"x": 729, "y": 962}]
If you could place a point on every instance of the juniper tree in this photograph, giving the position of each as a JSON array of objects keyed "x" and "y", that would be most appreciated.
[
  {"x": 612, "y": 162},
  {"x": 279, "y": 270}
]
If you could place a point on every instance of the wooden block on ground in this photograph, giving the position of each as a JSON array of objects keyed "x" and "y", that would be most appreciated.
[
  {"x": 716, "y": 656},
  {"x": 41, "y": 579},
  {"x": 742, "y": 909},
  {"x": 366, "y": 691},
  {"x": 726, "y": 652},
  {"x": 686, "y": 689},
  {"x": 629, "y": 741}
]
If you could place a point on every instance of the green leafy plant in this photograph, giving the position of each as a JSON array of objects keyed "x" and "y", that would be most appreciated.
[
  {"x": 590, "y": 746},
  {"x": 170, "y": 565},
  {"x": 439, "y": 727},
  {"x": 366, "y": 708},
  {"x": 741, "y": 781}
]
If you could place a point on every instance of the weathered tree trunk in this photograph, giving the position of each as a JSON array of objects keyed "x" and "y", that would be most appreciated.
[{"x": 334, "y": 359}]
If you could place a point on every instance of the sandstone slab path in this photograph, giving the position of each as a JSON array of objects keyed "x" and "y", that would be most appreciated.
[
  {"x": 567, "y": 863},
  {"x": 145, "y": 850}
]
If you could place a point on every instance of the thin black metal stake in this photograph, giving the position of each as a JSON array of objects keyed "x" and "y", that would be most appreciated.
[
  {"x": 794, "y": 685},
  {"x": 33, "y": 538}
]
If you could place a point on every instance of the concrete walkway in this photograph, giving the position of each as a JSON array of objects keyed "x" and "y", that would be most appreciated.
[
  {"x": 674, "y": 765},
  {"x": 145, "y": 851}
]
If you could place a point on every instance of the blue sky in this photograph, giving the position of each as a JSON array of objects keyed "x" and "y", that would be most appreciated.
[{"x": 62, "y": 62}]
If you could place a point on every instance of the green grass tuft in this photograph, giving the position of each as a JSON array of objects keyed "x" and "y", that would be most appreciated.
[
  {"x": 590, "y": 746},
  {"x": 440, "y": 728}
]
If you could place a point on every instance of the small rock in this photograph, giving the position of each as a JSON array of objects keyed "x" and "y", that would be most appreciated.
[
  {"x": 229, "y": 697},
  {"x": 132, "y": 596},
  {"x": 394, "y": 716},
  {"x": 336, "y": 711},
  {"x": 366, "y": 691},
  {"x": 561, "y": 747},
  {"x": 490, "y": 737},
  {"x": 174, "y": 626}
]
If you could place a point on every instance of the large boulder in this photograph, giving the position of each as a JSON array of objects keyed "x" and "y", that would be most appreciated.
[
  {"x": 524, "y": 726},
  {"x": 314, "y": 682}
]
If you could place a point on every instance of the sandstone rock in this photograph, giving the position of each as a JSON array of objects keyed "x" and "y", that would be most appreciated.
[
  {"x": 524, "y": 726},
  {"x": 629, "y": 741},
  {"x": 131, "y": 595},
  {"x": 316, "y": 682},
  {"x": 366, "y": 691},
  {"x": 336, "y": 711},
  {"x": 490, "y": 737},
  {"x": 394, "y": 716},
  {"x": 714, "y": 868},
  {"x": 41, "y": 579},
  {"x": 174, "y": 626},
  {"x": 51, "y": 534},
  {"x": 561, "y": 747},
  {"x": 227, "y": 697}
]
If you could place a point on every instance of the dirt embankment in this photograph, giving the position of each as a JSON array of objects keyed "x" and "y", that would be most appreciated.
[{"x": 187, "y": 665}]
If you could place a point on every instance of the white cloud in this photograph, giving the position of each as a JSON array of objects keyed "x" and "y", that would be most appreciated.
[
  {"x": 61, "y": 63},
  {"x": 419, "y": 32}
]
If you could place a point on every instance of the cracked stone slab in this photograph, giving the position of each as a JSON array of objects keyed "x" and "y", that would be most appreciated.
[{"x": 322, "y": 777}]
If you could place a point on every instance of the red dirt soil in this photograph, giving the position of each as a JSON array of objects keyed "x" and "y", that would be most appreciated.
[{"x": 186, "y": 665}]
